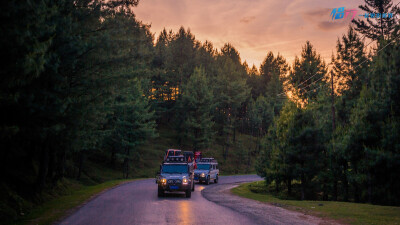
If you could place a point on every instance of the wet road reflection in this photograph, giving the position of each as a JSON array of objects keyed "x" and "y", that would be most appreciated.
[{"x": 137, "y": 203}]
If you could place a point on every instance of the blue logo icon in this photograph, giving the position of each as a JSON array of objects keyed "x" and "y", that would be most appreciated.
[{"x": 339, "y": 13}]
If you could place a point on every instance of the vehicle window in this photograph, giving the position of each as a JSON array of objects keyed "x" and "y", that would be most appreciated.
[
  {"x": 203, "y": 166},
  {"x": 174, "y": 169}
]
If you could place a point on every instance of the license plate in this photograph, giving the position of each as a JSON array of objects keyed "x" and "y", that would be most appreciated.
[
  {"x": 173, "y": 187},
  {"x": 196, "y": 178}
]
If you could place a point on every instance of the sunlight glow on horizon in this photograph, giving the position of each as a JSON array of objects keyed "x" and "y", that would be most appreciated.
[{"x": 253, "y": 27}]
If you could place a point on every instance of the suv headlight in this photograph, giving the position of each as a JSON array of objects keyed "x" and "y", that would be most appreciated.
[
  {"x": 185, "y": 181},
  {"x": 163, "y": 180},
  {"x": 202, "y": 175}
]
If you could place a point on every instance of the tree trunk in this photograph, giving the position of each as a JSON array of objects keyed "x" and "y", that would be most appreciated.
[
  {"x": 277, "y": 186},
  {"x": 52, "y": 165},
  {"x": 62, "y": 157},
  {"x": 126, "y": 164},
  {"x": 248, "y": 157},
  {"x": 234, "y": 134},
  {"x": 345, "y": 183},
  {"x": 113, "y": 156},
  {"x": 356, "y": 189},
  {"x": 80, "y": 164},
  {"x": 43, "y": 168},
  {"x": 226, "y": 150},
  {"x": 126, "y": 168},
  {"x": 369, "y": 178},
  {"x": 303, "y": 186},
  {"x": 289, "y": 185},
  {"x": 335, "y": 189}
]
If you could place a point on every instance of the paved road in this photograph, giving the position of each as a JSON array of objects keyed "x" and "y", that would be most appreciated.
[
  {"x": 137, "y": 203},
  {"x": 261, "y": 213}
]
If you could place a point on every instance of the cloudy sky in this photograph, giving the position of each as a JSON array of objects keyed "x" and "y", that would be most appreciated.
[{"x": 254, "y": 27}]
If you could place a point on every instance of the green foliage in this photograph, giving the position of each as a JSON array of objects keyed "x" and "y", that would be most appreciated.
[
  {"x": 356, "y": 160},
  {"x": 271, "y": 78},
  {"x": 130, "y": 124},
  {"x": 231, "y": 93},
  {"x": 307, "y": 71},
  {"x": 366, "y": 143},
  {"x": 73, "y": 59},
  {"x": 348, "y": 66},
  {"x": 197, "y": 104},
  {"x": 379, "y": 28}
]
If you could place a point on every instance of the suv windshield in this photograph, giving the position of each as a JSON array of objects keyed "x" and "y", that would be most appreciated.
[
  {"x": 174, "y": 169},
  {"x": 203, "y": 166}
]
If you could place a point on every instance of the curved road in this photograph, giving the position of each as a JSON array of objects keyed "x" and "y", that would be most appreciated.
[{"x": 137, "y": 203}]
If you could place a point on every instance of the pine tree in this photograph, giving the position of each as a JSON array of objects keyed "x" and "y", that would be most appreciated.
[
  {"x": 373, "y": 131},
  {"x": 231, "y": 92},
  {"x": 349, "y": 70},
  {"x": 307, "y": 74},
  {"x": 197, "y": 103},
  {"x": 183, "y": 47},
  {"x": 205, "y": 57},
  {"x": 254, "y": 81},
  {"x": 378, "y": 27},
  {"x": 133, "y": 123}
]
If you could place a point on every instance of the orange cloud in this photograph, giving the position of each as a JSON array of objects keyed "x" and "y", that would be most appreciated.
[{"x": 254, "y": 27}]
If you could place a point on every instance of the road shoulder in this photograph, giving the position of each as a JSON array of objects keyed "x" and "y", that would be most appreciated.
[
  {"x": 262, "y": 213},
  {"x": 56, "y": 210}
]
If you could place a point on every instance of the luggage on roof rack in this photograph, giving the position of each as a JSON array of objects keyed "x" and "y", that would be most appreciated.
[
  {"x": 189, "y": 156},
  {"x": 172, "y": 152}
]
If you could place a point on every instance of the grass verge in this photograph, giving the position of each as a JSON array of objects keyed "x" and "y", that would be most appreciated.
[
  {"x": 54, "y": 210},
  {"x": 345, "y": 212}
]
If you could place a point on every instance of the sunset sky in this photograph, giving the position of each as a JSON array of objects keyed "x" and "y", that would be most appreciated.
[{"x": 254, "y": 27}]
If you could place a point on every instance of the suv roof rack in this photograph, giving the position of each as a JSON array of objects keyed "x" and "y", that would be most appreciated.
[{"x": 180, "y": 159}]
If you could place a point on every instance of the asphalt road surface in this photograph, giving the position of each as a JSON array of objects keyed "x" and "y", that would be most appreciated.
[{"x": 137, "y": 203}]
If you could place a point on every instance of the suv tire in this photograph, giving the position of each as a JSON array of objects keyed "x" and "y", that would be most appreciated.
[
  {"x": 188, "y": 193},
  {"x": 208, "y": 180},
  {"x": 216, "y": 179},
  {"x": 161, "y": 192},
  {"x": 193, "y": 186}
]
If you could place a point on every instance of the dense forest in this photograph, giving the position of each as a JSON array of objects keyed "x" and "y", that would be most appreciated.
[
  {"x": 81, "y": 77},
  {"x": 338, "y": 137}
]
